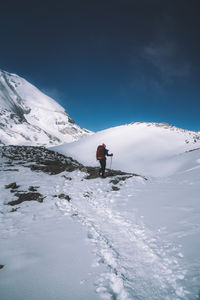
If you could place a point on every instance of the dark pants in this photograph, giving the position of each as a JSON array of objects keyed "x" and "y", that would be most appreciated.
[{"x": 103, "y": 167}]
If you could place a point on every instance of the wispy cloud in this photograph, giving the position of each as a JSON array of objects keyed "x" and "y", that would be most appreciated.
[
  {"x": 158, "y": 66},
  {"x": 166, "y": 60},
  {"x": 54, "y": 93}
]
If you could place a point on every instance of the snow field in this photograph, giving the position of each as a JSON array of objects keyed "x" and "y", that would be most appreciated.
[
  {"x": 46, "y": 255},
  {"x": 142, "y": 240},
  {"x": 143, "y": 148}
]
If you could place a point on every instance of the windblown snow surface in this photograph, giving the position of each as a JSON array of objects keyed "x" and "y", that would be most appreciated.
[
  {"x": 117, "y": 238},
  {"x": 145, "y": 148}
]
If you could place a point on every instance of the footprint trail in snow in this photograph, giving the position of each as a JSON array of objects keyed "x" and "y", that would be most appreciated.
[{"x": 139, "y": 265}]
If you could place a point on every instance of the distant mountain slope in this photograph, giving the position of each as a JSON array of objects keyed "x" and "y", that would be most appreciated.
[
  {"x": 144, "y": 148},
  {"x": 27, "y": 116}
]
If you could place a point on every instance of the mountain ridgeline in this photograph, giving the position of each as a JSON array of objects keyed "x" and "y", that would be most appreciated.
[
  {"x": 29, "y": 117},
  {"x": 150, "y": 149}
]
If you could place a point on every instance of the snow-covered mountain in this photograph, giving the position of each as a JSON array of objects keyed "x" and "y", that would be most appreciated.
[
  {"x": 123, "y": 237},
  {"x": 29, "y": 117},
  {"x": 144, "y": 148}
]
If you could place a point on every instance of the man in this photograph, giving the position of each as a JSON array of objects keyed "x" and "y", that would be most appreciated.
[{"x": 101, "y": 154}]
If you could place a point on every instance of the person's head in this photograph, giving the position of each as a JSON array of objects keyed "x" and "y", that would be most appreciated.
[{"x": 103, "y": 145}]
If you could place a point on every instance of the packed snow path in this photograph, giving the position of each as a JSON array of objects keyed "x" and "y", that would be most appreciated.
[
  {"x": 140, "y": 265},
  {"x": 133, "y": 259}
]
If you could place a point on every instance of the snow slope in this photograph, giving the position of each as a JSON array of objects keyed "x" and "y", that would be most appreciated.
[
  {"x": 143, "y": 235},
  {"x": 27, "y": 116},
  {"x": 144, "y": 148}
]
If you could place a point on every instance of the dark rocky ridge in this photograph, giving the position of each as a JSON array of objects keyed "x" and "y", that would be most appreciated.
[{"x": 42, "y": 159}]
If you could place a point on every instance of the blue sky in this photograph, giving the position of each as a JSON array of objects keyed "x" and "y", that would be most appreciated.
[{"x": 109, "y": 62}]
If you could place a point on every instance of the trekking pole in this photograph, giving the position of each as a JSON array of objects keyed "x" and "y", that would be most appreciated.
[{"x": 110, "y": 162}]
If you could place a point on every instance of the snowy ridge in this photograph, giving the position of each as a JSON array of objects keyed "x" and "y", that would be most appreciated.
[
  {"x": 145, "y": 148},
  {"x": 27, "y": 116},
  {"x": 195, "y": 135}
]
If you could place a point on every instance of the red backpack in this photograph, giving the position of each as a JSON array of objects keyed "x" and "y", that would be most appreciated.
[{"x": 100, "y": 154}]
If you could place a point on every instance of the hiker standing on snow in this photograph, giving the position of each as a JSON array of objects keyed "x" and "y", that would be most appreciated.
[{"x": 101, "y": 154}]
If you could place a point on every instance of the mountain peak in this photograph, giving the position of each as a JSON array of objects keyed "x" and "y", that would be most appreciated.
[{"x": 28, "y": 116}]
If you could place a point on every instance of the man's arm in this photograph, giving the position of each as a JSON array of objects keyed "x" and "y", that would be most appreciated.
[{"x": 106, "y": 153}]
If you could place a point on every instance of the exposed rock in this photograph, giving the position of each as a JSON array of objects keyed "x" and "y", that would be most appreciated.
[
  {"x": 9, "y": 163},
  {"x": 33, "y": 188},
  {"x": 43, "y": 160},
  {"x": 115, "y": 188},
  {"x": 11, "y": 170},
  {"x": 12, "y": 185},
  {"x": 192, "y": 150},
  {"x": 26, "y": 197},
  {"x": 14, "y": 191},
  {"x": 63, "y": 196},
  {"x": 118, "y": 179},
  {"x": 40, "y": 159},
  {"x": 74, "y": 214},
  {"x": 1, "y": 266},
  {"x": 14, "y": 209},
  {"x": 66, "y": 177},
  {"x": 93, "y": 172},
  {"x": 53, "y": 168},
  {"x": 87, "y": 194}
]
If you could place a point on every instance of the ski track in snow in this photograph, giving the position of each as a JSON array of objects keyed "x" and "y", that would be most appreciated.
[{"x": 139, "y": 265}]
